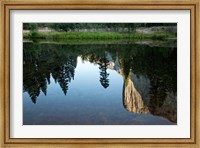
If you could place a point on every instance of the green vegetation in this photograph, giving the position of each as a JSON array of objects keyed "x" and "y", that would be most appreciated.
[
  {"x": 95, "y": 35},
  {"x": 96, "y": 31}
]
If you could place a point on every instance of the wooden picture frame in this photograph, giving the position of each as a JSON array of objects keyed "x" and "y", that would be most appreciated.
[{"x": 7, "y": 5}]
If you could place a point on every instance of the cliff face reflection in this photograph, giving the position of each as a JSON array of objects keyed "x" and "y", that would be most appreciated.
[{"x": 148, "y": 88}]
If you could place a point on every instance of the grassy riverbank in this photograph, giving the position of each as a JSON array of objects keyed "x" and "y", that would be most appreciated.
[{"x": 95, "y": 35}]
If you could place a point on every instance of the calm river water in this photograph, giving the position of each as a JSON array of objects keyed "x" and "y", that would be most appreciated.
[{"x": 99, "y": 84}]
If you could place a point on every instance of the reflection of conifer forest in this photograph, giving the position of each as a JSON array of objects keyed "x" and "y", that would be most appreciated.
[{"x": 158, "y": 64}]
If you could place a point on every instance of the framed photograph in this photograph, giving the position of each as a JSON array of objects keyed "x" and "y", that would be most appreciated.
[{"x": 99, "y": 73}]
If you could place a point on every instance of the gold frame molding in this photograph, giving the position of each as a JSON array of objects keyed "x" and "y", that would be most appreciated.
[{"x": 7, "y": 5}]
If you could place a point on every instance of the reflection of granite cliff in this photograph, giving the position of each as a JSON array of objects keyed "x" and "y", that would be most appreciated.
[
  {"x": 132, "y": 100},
  {"x": 138, "y": 98}
]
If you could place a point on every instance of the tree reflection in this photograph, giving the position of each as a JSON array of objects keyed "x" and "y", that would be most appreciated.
[
  {"x": 39, "y": 65},
  {"x": 103, "y": 63},
  {"x": 63, "y": 73}
]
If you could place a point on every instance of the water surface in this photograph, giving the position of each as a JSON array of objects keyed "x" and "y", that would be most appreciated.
[{"x": 99, "y": 84}]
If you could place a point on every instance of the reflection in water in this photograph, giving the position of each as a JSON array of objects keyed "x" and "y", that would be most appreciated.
[
  {"x": 132, "y": 99},
  {"x": 103, "y": 63},
  {"x": 149, "y": 74},
  {"x": 161, "y": 103}
]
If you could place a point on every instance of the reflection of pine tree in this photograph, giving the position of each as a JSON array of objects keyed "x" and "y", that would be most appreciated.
[
  {"x": 64, "y": 73},
  {"x": 63, "y": 80},
  {"x": 33, "y": 90},
  {"x": 33, "y": 86},
  {"x": 39, "y": 65},
  {"x": 43, "y": 86},
  {"x": 48, "y": 77},
  {"x": 34, "y": 80},
  {"x": 103, "y": 72}
]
